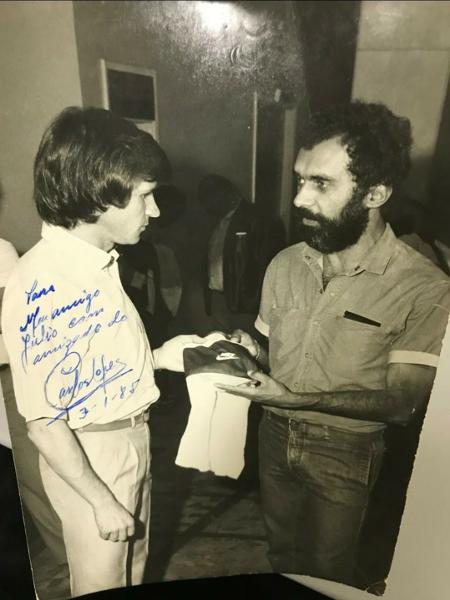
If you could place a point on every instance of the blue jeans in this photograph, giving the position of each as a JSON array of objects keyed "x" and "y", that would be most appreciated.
[{"x": 315, "y": 487}]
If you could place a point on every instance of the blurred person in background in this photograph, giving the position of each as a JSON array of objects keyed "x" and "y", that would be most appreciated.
[{"x": 240, "y": 248}]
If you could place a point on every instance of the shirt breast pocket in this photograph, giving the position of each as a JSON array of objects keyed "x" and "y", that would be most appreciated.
[{"x": 359, "y": 348}]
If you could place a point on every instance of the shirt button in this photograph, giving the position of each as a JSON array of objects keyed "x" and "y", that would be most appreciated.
[{"x": 307, "y": 355}]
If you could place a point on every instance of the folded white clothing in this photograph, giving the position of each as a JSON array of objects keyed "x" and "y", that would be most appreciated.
[{"x": 215, "y": 435}]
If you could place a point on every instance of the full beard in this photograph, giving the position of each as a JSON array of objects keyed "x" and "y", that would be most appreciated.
[{"x": 334, "y": 235}]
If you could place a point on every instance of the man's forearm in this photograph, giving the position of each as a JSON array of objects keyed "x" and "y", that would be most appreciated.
[
  {"x": 407, "y": 390},
  {"x": 59, "y": 447},
  {"x": 384, "y": 406}
]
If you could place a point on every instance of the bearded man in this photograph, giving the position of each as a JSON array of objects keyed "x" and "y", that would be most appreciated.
[{"x": 354, "y": 319}]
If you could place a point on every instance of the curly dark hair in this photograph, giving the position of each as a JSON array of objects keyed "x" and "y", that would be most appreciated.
[
  {"x": 88, "y": 160},
  {"x": 378, "y": 142}
]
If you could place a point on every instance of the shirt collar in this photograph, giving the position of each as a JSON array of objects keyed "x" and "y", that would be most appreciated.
[
  {"x": 378, "y": 257},
  {"x": 375, "y": 261},
  {"x": 77, "y": 250}
]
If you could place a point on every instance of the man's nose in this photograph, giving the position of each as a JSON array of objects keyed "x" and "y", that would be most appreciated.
[
  {"x": 305, "y": 196},
  {"x": 151, "y": 208}
]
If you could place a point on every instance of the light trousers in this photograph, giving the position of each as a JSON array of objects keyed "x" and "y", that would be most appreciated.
[{"x": 121, "y": 459}]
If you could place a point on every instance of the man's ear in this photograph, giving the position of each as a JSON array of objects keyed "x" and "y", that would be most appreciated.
[{"x": 377, "y": 196}]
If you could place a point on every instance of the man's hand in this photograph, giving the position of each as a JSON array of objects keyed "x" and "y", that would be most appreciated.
[
  {"x": 170, "y": 354},
  {"x": 244, "y": 339},
  {"x": 60, "y": 448},
  {"x": 114, "y": 522},
  {"x": 261, "y": 389}
]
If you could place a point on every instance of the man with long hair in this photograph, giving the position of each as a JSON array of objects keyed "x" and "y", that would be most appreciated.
[{"x": 82, "y": 366}]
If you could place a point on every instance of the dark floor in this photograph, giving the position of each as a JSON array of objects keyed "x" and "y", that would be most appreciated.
[{"x": 202, "y": 525}]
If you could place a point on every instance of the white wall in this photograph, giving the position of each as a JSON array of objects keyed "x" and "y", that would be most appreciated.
[
  {"x": 39, "y": 77},
  {"x": 403, "y": 60}
]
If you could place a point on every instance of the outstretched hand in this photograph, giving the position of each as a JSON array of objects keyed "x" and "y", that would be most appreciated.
[{"x": 261, "y": 389}]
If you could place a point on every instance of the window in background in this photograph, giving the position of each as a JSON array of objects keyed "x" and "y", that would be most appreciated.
[{"x": 130, "y": 92}]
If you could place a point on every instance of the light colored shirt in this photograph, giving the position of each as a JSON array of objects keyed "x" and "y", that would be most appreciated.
[
  {"x": 8, "y": 260},
  {"x": 77, "y": 346},
  {"x": 416, "y": 242},
  {"x": 445, "y": 251},
  {"x": 392, "y": 309},
  {"x": 215, "y": 253}
]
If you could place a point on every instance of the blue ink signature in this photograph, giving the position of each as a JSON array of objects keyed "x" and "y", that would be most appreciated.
[
  {"x": 118, "y": 318},
  {"x": 44, "y": 335},
  {"x": 75, "y": 321},
  {"x": 102, "y": 373},
  {"x": 106, "y": 401},
  {"x": 32, "y": 295},
  {"x": 88, "y": 298},
  {"x": 35, "y": 320},
  {"x": 47, "y": 335}
]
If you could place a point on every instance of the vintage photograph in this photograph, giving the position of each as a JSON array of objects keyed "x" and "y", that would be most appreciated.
[{"x": 225, "y": 261}]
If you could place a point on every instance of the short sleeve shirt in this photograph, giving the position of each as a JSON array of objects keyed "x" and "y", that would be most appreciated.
[
  {"x": 8, "y": 260},
  {"x": 77, "y": 346},
  {"x": 393, "y": 308}
]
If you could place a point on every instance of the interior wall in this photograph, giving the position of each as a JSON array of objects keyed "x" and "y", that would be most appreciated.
[
  {"x": 39, "y": 77},
  {"x": 209, "y": 58},
  {"x": 329, "y": 31},
  {"x": 439, "y": 187},
  {"x": 403, "y": 60}
]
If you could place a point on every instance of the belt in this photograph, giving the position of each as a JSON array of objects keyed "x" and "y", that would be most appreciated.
[
  {"x": 287, "y": 421},
  {"x": 115, "y": 425}
]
